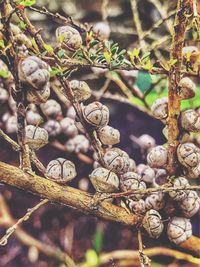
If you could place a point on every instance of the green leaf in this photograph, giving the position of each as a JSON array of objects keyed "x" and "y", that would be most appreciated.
[
  {"x": 34, "y": 44},
  {"x": 107, "y": 44},
  {"x": 98, "y": 240},
  {"x": 61, "y": 53},
  {"x": 107, "y": 56},
  {"x": 172, "y": 61},
  {"x": 4, "y": 74},
  {"x": 92, "y": 258},
  {"x": 143, "y": 81},
  {"x": 27, "y": 2},
  {"x": 48, "y": 48},
  {"x": 22, "y": 25},
  {"x": 55, "y": 71},
  {"x": 146, "y": 55},
  {"x": 61, "y": 38},
  {"x": 2, "y": 44}
]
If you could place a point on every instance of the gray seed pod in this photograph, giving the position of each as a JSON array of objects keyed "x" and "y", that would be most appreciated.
[
  {"x": 96, "y": 115},
  {"x": 116, "y": 160},
  {"x": 188, "y": 155},
  {"x": 32, "y": 117},
  {"x": 180, "y": 194},
  {"x": 187, "y": 88},
  {"x": 194, "y": 172},
  {"x": 71, "y": 38},
  {"x": 38, "y": 97},
  {"x": 190, "y": 120},
  {"x": 152, "y": 223},
  {"x": 190, "y": 205},
  {"x": 160, "y": 108},
  {"x": 132, "y": 166},
  {"x": 108, "y": 135},
  {"x": 146, "y": 141},
  {"x": 147, "y": 174},
  {"x": 160, "y": 177},
  {"x": 71, "y": 113},
  {"x": 60, "y": 170},
  {"x": 155, "y": 201},
  {"x": 53, "y": 127},
  {"x": 36, "y": 137},
  {"x": 179, "y": 230},
  {"x": 68, "y": 127},
  {"x": 51, "y": 108},
  {"x": 102, "y": 29},
  {"x": 189, "y": 49},
  {"x": 137, "y": 207},
  {"x": 3, "y": 95},
  {"x": 157, "y": 157},
  {"x": 11, "y": 125},
  {"x": 34, "y": 71},
  {"x": 104, "y": 180},
  {"x": 81, "y": 143},
  {"x": 81, "y": 90},
  {"x": 131, "y": 181},
  {"x": 70, "y": 145}
]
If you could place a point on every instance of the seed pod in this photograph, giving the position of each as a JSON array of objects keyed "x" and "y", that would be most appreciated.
[
  {"x": 157, "y": 157},
  {"x": 32, "y": 117},
  {"x": 11, "y": 125},
  {"x": 71, "y": 113},
  {"x": 188, "y": 155},
  {"x": 152, "y": 223},
  {"x": 71, "y": 38},
  {"x": 34, "y": 71},
  {"x": 104, "y": 181},
  {"x": 155, "y": 201},
  {"x": 81, "y": 90},
  {"x": 146, "y": 141},
  {"x": 160, "y": 108},
  {"x": 81, "y": 143},
  {"x": 190, "y": 120},
  {"x": 160, "y": 177},
  {"x": 137, "y": 207},
  {"x": 70, "y": 145},
  {"x": 79, "y": 125},
  {"x": 68, "y": 127},
  {"x": 180, "y": 194},
  {"x": 36, "y": 137},
  {"x": 132, "y": 166},
  {"x": 194, "y": 172},
  {"x": 108, "y": 135},
  {"x": 53, "y": 127},
  {"x": 38, "y": 97},
  {"x": 179, "y": 230},
  {"x": 3, "y": 95},
  {"x": 131, "y": 181},
  {"x": 190, "y": 205},
  {"x": 19, "y": 36},
  {"x": 187, "y": 88},
  {"x": 96, "y": 115},
  {"x": 147, "y": 174},
  {"x": 51, "y": 108},
  {"x": 102, "y": 29},
  {"x": 116, "y": 160},
  {"x": 60, "y": 170}
]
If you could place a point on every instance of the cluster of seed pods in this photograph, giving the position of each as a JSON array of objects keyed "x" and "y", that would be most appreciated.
[{"x": 115, "y": 171}]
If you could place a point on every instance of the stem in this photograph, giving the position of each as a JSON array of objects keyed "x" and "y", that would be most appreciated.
[{"x": 174, "y": 104}]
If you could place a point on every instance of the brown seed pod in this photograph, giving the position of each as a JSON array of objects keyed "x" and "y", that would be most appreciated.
[
  {"x": 188, "y": 155},
  {"x": 132, "y": 166},
  {"x": 116, "y": 160},
  {"x": 159, "y": 108},
  {"x": 69, "y": 38},
  {"x": 60, "y": 170},
  {"x": 81, "y": 90},
  {"x": 180, "y": 194},
  {"x": 152, "y": 223},
  {"x": 190, "y": 120},
  {"x": 157, "y": 157},
  {"x": 108, "y": 135},
  {"x": 34, "y": 71},
  {"x": 132, "y": 181},
  {"x": 190, "y": 205},
  {"x": 194, "y": 172},
  {"x": 160, "y": 177},
  {"x": 38, "y": 97},
  {"x": 179, "y": 230},
  {"x": 104, "y": 181},
  {"x": 187, "y": 88},
  {"x": 36, "y": 137},
  {"x": 96, "y": 115}
]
